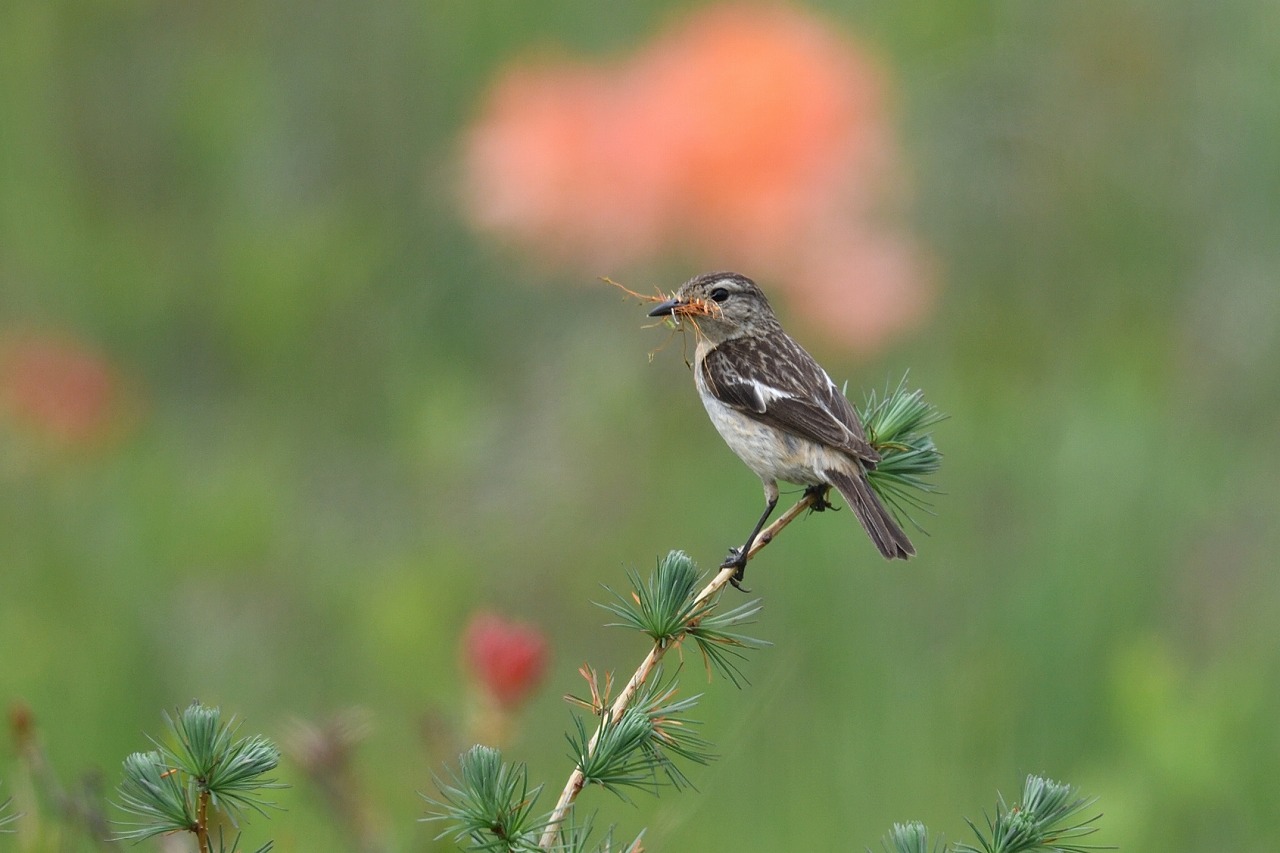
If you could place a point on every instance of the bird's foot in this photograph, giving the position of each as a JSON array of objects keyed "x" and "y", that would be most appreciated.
[
  {"x": 819, "y": 496},
  {"x": 737, "y": 560}
]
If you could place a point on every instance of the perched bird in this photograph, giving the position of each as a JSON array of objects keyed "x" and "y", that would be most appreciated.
[{"x": 776, "y": 408}]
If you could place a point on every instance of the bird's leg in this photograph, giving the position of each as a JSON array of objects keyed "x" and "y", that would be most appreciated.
[
  {"x": 737, "y": 558},
  {"x": 819, "y": 495}
]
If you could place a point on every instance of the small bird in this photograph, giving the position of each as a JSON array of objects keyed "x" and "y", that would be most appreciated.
[{"x": 776, "y": 408}]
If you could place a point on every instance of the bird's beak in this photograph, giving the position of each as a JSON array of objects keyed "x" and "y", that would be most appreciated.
[{"x": 665, "y": 309}]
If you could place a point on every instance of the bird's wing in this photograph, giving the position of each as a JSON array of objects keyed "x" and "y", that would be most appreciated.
[{"x": 773, "y": 379}]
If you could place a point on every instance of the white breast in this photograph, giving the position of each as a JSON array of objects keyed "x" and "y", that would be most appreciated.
[{"x": 770, "y": 452}]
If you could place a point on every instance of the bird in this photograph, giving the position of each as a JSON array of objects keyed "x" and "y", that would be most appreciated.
[{"x": 776, "y": 408}]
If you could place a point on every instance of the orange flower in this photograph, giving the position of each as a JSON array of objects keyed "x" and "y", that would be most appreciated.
[
  {"x": 508, "y": 659},
  {"x": 559, "y": 162},
  {"x": 768, "y": 117},
  {"x": 58, "y": 387},
  {"x": 861, "y": 292},
  {"x": 750, "y": 137}
]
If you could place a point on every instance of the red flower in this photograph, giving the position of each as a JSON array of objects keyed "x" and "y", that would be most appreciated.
[
  {"x": 750, "y": 137},
  {"x": 58, "y": 387},
  {"x": 507, "y": 658}
]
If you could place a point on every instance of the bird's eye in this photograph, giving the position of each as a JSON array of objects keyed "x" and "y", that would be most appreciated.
[{"x": 719, "y": 294}]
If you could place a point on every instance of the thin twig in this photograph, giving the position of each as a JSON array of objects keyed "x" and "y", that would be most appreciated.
[
  {"x": 576, "y": 779},
  {"x": 202, "y": 820}
]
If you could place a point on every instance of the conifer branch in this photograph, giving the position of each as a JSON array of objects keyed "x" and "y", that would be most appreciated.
[
  {"x": 702, "y": 604},
  {"x": 201, "y": 770},
  {"x": 638, "y": 734}
]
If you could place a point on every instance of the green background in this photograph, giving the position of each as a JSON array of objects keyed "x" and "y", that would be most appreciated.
[{"x": 353, "y": 422}]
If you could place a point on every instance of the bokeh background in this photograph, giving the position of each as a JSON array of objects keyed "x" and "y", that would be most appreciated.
[{"x": 305, "y": 362}]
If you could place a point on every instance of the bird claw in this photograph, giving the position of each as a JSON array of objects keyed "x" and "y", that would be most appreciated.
[
  {"x": 737, "y": 561},
  {"x": 819, "y": 497}
]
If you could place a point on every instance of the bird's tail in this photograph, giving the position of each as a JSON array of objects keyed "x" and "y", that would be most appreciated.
[{"x": 876, "y": 519}]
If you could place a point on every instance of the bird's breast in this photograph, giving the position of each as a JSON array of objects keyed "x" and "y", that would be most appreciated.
[{"x": 773, "y": 454}]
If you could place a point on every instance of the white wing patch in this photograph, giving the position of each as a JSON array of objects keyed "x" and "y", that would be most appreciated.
[{"x": 767, "y": 393}]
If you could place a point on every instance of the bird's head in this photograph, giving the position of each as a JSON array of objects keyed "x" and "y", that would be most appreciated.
[{"x": 721, "y": 306}]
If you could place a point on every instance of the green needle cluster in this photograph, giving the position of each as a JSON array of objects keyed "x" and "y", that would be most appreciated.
[
  {"x": 203, "y": 767},
  {"x": 488, "y": 803},
  {"x": 897, "y": 424},
  {"x": 667, "y": 609},
  {"x": 639, "y": 747},
  {"x": 1046, "y": 820}
]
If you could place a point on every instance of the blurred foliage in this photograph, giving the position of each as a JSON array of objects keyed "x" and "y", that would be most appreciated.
[{"x": 341, "y": 422}]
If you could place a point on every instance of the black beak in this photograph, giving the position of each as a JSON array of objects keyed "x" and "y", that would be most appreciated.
[{"x": 664, "y": 309}]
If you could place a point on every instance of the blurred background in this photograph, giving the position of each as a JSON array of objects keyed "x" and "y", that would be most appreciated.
[{"x": 313, "y": 406}]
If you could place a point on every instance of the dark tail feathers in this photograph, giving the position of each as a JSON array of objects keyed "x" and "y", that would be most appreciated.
[{"x": 879, "y": 523}]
